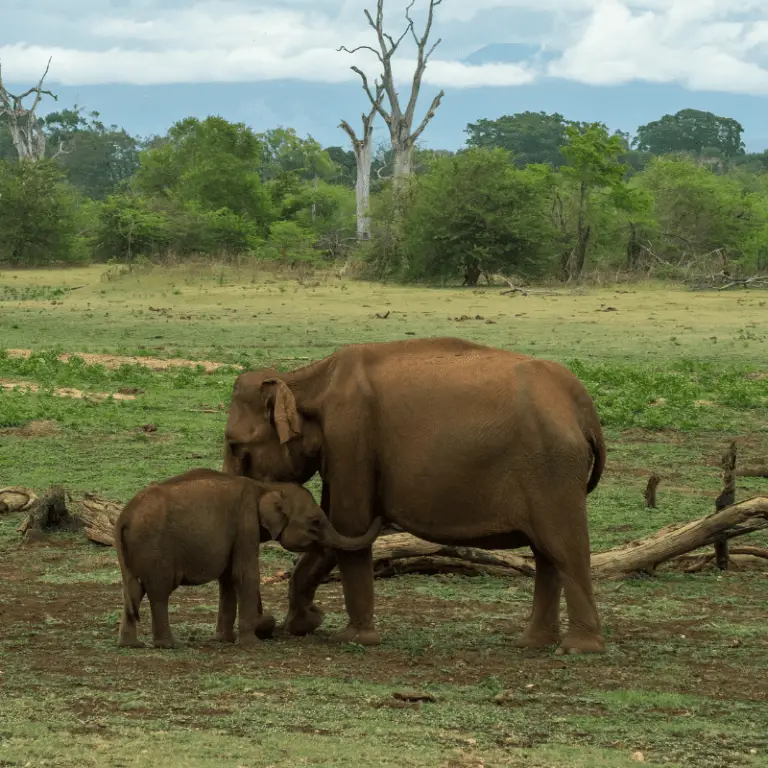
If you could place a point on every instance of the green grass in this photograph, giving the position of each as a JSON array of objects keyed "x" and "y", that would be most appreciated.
[{"x": 676, "y": 376}]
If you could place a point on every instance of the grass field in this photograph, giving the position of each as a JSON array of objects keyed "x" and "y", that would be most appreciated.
[{"x": 676, "y": 375}]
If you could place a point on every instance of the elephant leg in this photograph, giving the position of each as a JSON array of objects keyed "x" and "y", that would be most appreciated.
[
  {"x": 225, "y": 623},
  {"x": 572, "y": 557},
  {"x": 252, "y": 624},
  {"x": 304, "y": 616},
  {"x": 544, "y": 625},
  {"x": 357, "y": 580},
  {"x": 265, "y": 624},
  {"x": 162, "y": 637}
]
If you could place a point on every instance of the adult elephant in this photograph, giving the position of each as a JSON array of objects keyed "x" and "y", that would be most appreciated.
[{"x": 452, "y": 441}]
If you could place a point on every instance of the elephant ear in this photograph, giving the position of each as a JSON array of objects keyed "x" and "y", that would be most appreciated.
[
  {"x": 271, "y": 513},
  {"x": 282, "y": 406}
]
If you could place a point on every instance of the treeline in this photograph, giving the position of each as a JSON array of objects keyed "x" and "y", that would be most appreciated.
[{"x": 532, "y": 195}]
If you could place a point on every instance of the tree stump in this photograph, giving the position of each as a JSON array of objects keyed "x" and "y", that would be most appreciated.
[
  {"x": 650, "y": 491},
  {"x": 46, "y": 514}
]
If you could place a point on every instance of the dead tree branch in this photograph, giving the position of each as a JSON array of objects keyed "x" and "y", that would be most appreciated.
[
  {"x": 25, "y": 127},
  {"x": 400, "y": 121}
]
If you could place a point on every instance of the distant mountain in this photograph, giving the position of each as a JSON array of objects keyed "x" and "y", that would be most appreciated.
[{"x": 318, "y": 109}]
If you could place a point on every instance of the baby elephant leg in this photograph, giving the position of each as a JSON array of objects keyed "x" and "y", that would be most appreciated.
[
  {"x": 253, "y": 624},
  {"x": 225, "y": 623}
]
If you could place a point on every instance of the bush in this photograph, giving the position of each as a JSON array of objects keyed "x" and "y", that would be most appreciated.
[
  {"x": 38, "y": 214},
  {"x": 474, "y": 213}
]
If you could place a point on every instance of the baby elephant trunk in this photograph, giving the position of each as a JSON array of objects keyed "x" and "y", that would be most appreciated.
[{"x": 330, "y": 537}]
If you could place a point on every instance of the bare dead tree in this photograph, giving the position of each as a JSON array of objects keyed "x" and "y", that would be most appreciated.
[
  {"x": 399, "y": 121},
  {"x": 25, "y": 126},
  {"x": 363, "y": 149}
]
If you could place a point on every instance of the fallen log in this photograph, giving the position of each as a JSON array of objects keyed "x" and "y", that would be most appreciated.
[
  {"x": 16, "y": 499},
  {"x": 99, "y": 516},
  {"x": 396, "y": 552},
  {"x": 646, "y": 554}
]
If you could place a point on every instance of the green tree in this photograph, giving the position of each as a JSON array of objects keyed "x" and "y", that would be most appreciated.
[
  {"x": 531, "y": 137},
  {"x": 593, "y": 168},
  {"x": 38, "y": 213},
  {"x": 474, "y": 213},
  {"x": 327, "y": 212},
  {"x": 96, "y": 159},
  {"x": 211, "y": 163},
  {"x": 704, "y": 219},
  {"x": 285, "y": 153},
  {"x": 7, "y": 149},
  {"x": 345, "y": 165},
  {"x": 692, "y": 131}
]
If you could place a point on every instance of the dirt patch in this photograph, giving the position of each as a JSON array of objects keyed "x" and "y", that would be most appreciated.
[
  {"x": 39, "y": 428},
  {"x": 28, "y": 386},
  {"x": 115, "y": 361}
]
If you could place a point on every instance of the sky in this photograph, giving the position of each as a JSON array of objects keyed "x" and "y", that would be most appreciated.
[{"x": 144, "y": 64}]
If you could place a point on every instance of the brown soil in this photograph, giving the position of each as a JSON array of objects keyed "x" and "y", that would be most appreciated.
[
  {"x": 39, "y": 428},
  {"x": 115, "y": 361},
  {"x": 28, "y": 386},
  {"x": 86, "y": 615}
]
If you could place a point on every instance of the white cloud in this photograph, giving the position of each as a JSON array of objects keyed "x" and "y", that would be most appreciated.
[
  {"x": 701, "y": 44},
  {"x": 686, "y": 41}
]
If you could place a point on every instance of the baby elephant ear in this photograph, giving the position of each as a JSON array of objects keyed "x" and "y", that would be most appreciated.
[
  {"x": 271, "y": 514},
  {"x": 282, "y": 406}
]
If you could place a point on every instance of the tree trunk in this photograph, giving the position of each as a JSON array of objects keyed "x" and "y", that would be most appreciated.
[
  {"x": 364, "y": 158},
  {"x": 403, "y": 159},
  {"x": 472, "y": 273},
  {"x": 314, "y": 205},
  {"x": 633, "y": 248}
]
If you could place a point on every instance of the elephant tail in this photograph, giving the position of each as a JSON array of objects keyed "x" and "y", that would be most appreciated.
[
  {"x": 133, "y": 591},
  {"x": 597, "y": 442}
]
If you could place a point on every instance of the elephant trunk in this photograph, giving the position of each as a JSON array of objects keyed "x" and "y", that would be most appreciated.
[{"x": 330, "y": 537}]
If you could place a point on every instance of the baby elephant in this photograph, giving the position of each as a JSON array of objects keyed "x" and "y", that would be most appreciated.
[{"x": 205, "y": 525}]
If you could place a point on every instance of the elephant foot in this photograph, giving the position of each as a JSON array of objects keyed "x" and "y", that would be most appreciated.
[
  {"x": 581, "y": 644},
  {"x": 129, "y": 642},
  {"x": 303, "y": 621},
  {"x": 166, "y": 643},
  {"x": 247, "y": 639},
  {"x": 367, "y": 636},
  {"x": 538, "y": 639},
  {"x": 226, "y": 636},
  {"x": 264, "y": 628}
]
